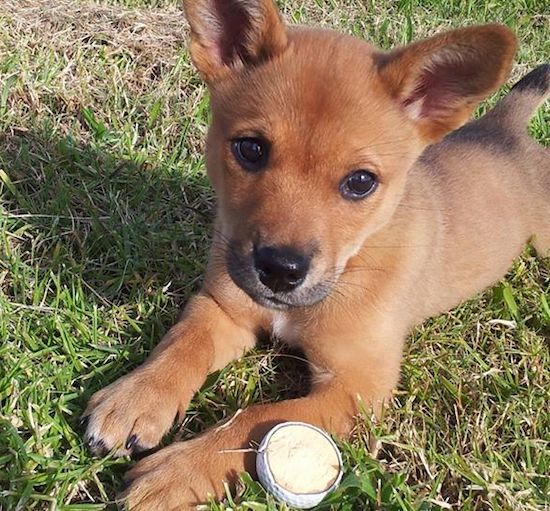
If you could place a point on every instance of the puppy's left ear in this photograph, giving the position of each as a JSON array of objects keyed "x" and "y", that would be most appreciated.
[
  {"x": 229, "y": 35},
  {"x": 439, "y": 81}
]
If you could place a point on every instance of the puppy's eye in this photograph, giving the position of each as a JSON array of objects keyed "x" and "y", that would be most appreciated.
[
  {"x": 358, "y": 185},
  {"x": 250, "y": 153}
]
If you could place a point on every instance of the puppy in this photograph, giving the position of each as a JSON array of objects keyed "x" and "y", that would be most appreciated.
[{"x": 338, "y": 201}]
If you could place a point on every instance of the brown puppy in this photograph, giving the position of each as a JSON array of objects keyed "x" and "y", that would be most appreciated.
[{"x": 332, "y": 214}]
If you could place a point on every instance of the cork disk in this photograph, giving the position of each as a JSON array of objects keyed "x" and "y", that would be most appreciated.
[{"x": 302, "y": 460}]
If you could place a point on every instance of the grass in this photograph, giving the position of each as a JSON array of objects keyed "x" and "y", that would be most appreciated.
[{"x": 105, "y": 221}]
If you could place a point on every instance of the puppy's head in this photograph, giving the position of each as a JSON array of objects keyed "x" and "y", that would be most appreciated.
[{"x": 313, "y": 134}]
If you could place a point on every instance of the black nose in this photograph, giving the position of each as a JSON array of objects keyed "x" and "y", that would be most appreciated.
[{"x": 279, "y": 268}]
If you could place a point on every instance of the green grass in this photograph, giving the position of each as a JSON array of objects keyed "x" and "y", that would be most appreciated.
[{"x": 105, "y": 221}]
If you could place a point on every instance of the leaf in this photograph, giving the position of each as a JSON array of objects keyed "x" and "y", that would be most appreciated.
[
  {"x": 368, "y": 488},
  {"x": 254, "y": 506},
  {"x": 350, "y": 481},
  {"x": 510, "y": 301},
  {"x": 8, "y": 182},
  {"x": 154, "y": 113},
  {"x": 5, "y": 92},
  {"x": 545, "y": 307},
  {"x": 96, "y": 126}
]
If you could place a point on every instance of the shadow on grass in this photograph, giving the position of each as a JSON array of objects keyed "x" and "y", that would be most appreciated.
[
  {"x": 123, "y": 232},
  {"x": 100, "y": 255}
]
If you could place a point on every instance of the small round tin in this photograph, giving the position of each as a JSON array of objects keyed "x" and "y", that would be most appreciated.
[{"x": 265, "y": 474}]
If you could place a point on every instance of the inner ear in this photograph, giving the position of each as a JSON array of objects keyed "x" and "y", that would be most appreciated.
[
  {"x": 234, "y": 27},
  {"x": 440, "y": 86},
  {"x": 227, "y": 35},
  {"x": 439, "y": 81}
]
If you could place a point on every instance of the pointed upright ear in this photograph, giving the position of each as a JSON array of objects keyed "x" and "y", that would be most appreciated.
[
  {"x": 439, "y": 81},
  {"x": 227, "y": 35}
]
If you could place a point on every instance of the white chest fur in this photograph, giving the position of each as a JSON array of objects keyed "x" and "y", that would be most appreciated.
[{"x": 283, "y": 328}]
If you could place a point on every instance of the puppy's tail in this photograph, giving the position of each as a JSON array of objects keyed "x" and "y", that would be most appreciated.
[{"x": 521, "y": 103}]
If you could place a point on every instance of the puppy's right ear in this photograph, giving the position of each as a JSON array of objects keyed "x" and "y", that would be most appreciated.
[{"x": 228, "y": 35}]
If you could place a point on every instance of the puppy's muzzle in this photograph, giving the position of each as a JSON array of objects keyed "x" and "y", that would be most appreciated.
[{"x": 281, "y": 269}]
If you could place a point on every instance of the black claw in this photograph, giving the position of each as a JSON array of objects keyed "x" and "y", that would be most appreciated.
[
  {"x": 131, "y": 442},
  {"x": 96, "y": 444}
]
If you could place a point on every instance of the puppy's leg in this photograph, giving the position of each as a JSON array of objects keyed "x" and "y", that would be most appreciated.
[
  {"x": 182, "y": 475},
  {"x": 134, "y": 412}
]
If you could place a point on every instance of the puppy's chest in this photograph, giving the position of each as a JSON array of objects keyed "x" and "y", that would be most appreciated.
[{"x": 286, "y": 329}]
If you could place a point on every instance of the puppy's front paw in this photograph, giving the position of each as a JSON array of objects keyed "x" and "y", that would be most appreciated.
[
  {"x": 181, "y": 476},
  {"x": 133, "y": 413}
]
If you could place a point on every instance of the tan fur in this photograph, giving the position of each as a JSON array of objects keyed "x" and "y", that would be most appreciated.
[{"x": 445, "y": 223}]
